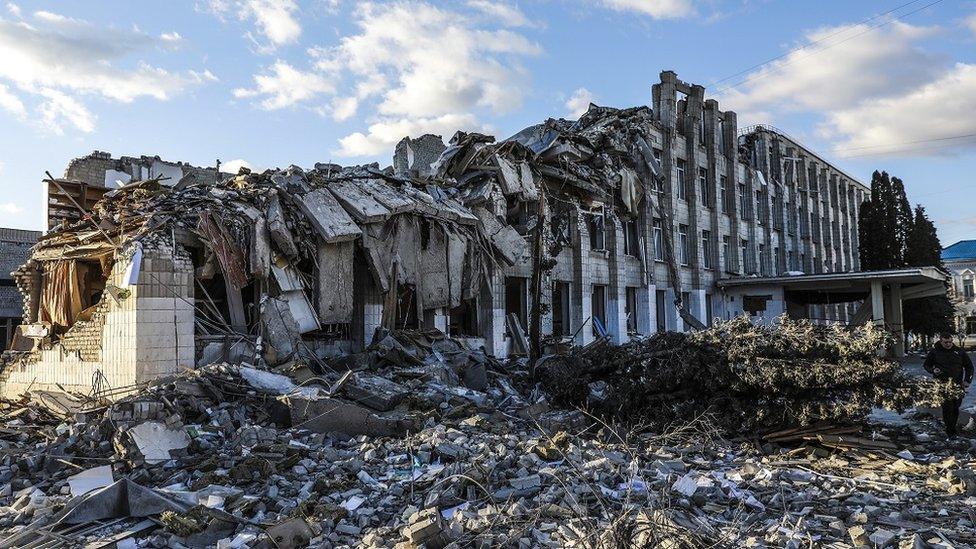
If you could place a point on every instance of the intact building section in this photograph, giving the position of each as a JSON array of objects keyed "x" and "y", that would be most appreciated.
[{"x": 15, "y": 249}]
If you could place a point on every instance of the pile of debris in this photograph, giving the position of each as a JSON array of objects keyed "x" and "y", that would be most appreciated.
[
  {"x": 423, "y": 442},
  {"x": 749, "y": 377}
]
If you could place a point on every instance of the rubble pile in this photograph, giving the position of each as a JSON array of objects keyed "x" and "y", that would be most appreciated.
[
  {"x": 422, "y": 442},
  {"x": 748, "y": 377}
]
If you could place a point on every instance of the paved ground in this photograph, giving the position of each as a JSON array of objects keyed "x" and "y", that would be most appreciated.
[{"x": 914, "y": 365}]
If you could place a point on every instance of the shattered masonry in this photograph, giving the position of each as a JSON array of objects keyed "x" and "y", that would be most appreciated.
[{"x": 184, "y": 269}]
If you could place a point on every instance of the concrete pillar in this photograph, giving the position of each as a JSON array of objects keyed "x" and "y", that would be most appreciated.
[
  {"x": 646, "y": 310},
  {"x": 896, "y": 322},
  {"x": 877, "y": 303}
]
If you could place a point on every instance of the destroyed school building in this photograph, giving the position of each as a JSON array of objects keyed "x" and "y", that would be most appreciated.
[{"x": 639, "y": 208}]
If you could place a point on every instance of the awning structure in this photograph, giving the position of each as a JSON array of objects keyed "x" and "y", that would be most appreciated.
[{"x": 882, "y": 292}]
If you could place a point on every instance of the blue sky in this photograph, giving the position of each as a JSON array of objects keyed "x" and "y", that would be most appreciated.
[{"x": 870, "y": 84}]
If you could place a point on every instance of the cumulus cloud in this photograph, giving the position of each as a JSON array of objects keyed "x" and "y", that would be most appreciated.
[
  {"x": 235, "y": 165},
  {"x": 877, "y": 62},
  {"x": 502, "y": 13},
  {"x": 54, "y": 59},
  {"x": 579, "y": 102},
  {"x": 412, "y": 64},
  {"x": 10, "y": 208},
  {"x": 657, "y": 9},
  {"x": 284, "y": 85},
  {"x": 382, "y": 135},
  {"x": 14, "y": 9},
  {"x": 11, "y": 103},
  {"x": 59, "y": 109},
  {"x": 276, "y": 20},
  {"x": 927, "y": 120},
  {"x": 876, "y": 91}
]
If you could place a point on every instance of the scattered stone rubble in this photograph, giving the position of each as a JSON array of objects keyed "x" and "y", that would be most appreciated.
[{"x": 426, "y": 443}]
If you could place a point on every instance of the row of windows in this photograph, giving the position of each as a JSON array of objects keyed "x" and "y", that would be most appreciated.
[{"x": 631, "y": 234}]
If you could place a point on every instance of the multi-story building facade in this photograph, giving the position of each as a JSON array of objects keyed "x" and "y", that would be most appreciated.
[
  {"x": 15, "y": 246},
  {"x": 960, "y": 260}
]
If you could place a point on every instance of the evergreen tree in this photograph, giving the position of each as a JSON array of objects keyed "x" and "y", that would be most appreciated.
[
  {"x": 930, "y": 315},
  {"x": 904, "y": 219},
  {"x": 882, "y": 242}
]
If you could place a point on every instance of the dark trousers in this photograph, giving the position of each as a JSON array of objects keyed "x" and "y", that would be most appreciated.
[{"x": 950, "y": 414}]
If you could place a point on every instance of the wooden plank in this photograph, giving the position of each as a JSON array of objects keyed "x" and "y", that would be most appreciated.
[
  {"x": 328, "y": 216},
  {"x": 359, "y": 203}
]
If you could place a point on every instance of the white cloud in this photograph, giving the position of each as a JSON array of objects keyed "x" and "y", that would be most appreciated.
[
  {"x": 409, "y": 63},
  {"x": 921, "y": 122},
  {"x": 876, "y": 91},
  {"x": 59, "y": 108},
  {"x": 54, "y": 59},
  {"x": 382, "y": 136},
  {"x": 865, "y": 62},
  {"x": 970, "y": 23},
  {"x": 502, "y": 13},
  {"x": 276, "y": 20},
  {"x": 14, "y": 9},
  {"x": 171, "y": 40},
  {"x": 579, "y": 102},
  {"x": 234, "y": 166},
  {"x": 285, "y": 86},
  {"x": 657, "y": 9},
  {"x": 10, "y": 208},
  {"x": 11, "y": 103}
]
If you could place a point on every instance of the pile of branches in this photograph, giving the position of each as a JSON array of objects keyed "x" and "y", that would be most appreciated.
[{"x": 748, "y": 377}]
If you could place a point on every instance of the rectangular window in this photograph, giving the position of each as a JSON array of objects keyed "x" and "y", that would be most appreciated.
[
  {"x": 971, "y": 325},
  {"x": 680, "y": 181},
  {"x": 598, "y": 304},
  {"x": 683, "y": 244},
  {"x": 744, "y": 251},
  {"x": 724, "y": 193},
  {"x": 743, "y": 201},
  {"x": 790, "y": 261},
  {"x": 658, "y": 240},
  {"x": 762, "y": 259},
  {"x": 967, "y": 288},
  {"x": 706, "y": 246},
  {"x": 516, "y": 299},
  {"x": 630, "y": 309},
  {"x": 708, "y": 310},
  {"x": 759, "y": 207},
  {"x": 659, "y": 306},
  {"x": 727, "y": 252},
  {"x": 598, "y": 236},
  {"x": 658, "y": 184},
  {"x": 631, "y": 238},
  {"x": 560, "y": 309},
  {"x": 777, "y": 260},
  {"x": 703, "y": 186}
]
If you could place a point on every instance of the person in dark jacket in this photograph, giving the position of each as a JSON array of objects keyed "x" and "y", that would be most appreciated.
[{"x": 946, "y": 361}]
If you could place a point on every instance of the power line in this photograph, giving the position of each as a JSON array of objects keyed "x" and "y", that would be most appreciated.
[
  {"x": 814, "y": 43},
  {"x": 788, "y": 63},
  {"x": 962, "y": 136},
  {"x": 934, "y": 147}
]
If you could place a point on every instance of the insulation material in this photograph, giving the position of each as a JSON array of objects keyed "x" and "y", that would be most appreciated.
[
  {"x": 228, "y": 253},
  {"x": 61, "y": 295},
  {"x": 131, "y": 276},
  {"x": 301, "y": 310},
  {"x": 335, "y": 282},
  {"x": 630, "y": 191}
]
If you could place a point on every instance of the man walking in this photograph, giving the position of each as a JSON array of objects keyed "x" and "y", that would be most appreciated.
[{"x": 946, "y": 361}]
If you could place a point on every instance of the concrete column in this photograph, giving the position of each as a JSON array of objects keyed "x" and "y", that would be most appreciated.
[
  {"x": 646, "y": 310},
  {"x": 877, "y": 303},
  {"x": 897, "y": 322}
]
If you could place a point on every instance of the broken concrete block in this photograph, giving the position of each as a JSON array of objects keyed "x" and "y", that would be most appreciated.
[
  {"x": 376, "y": 392},
  {"x": 328, "y": 216},
  {"x": 329, "y": 415}
]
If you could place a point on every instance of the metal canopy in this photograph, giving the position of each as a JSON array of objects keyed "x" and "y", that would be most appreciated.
[{"x": 856, "y": 282}]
